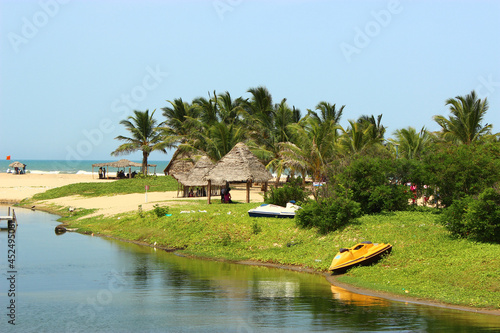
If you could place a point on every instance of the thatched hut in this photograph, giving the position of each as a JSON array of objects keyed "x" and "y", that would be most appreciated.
[
  {"x": 181, "y": 164},
  {"x": 239, "y": 165},
  {"x": 121, "y": 164},
  {"x": 19, "y": 168},
  {"x": 195, "y": 178}
]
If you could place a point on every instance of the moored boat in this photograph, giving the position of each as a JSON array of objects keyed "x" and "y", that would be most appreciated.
[
  {"x": 363, "y": 253},
  {"x": 270, "y": 210}
]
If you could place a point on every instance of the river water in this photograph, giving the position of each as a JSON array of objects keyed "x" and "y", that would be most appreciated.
[{"x": 78, "y": 283}]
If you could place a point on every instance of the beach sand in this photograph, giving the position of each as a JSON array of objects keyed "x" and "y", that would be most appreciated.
[{"x": 14, "y": 188}]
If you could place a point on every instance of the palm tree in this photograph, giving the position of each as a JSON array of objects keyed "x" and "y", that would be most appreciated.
[
  {"x": 356, "y": 138},
  {"x": 377, "y": 130},
  {"x": 145, "y": 136},
  {"x": 312, "y": 148},
  {"x": 410, "y": 143},
  {"x": 180, "y": 122},
  {"x": 464, "y": 125}
]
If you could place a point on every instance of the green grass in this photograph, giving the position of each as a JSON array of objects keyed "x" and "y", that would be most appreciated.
[
  {"x": 121, "y": 186},
  {"x": 425, "y": 262}
]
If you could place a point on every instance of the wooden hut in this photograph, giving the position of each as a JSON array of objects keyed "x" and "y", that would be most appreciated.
[
  {"x": 181, "y": 164},
  {"x": 239, "y": 165},
  {"x": 195, "y": 178},
  {"x": 121, "y": 164}
]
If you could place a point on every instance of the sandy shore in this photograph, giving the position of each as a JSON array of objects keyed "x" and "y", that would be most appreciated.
[{"x": 14, "y": 188}]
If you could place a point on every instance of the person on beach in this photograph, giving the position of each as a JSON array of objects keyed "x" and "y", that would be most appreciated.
[
  {"x": 100, "y": 173},
  {"x": 103, "y": 172},
  {"x": 227, "y": 196}
]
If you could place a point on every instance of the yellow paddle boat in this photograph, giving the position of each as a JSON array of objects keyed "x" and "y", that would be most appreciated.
[{"x": 363, "y": 253}]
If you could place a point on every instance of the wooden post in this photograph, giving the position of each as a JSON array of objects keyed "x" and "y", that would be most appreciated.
[
  {"x": 209, "y": 191},
  {"x": 249, "y": 183}
]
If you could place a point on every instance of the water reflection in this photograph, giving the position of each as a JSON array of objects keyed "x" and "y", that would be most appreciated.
[{"x": 80, "y": 283}]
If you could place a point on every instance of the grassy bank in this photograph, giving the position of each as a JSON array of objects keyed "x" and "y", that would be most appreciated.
[
  {"x": 425, "y": 261},
  {"x": 121, "y": 186}
]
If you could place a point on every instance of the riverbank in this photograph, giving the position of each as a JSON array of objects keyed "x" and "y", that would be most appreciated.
[{"x": 426, "y": 264}]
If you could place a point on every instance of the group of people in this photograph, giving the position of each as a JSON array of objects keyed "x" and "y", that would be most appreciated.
[
  {"x": 17, "y": 171},
  {"x": 201, "y": 192},
  {"x": 102, "y": 173}
]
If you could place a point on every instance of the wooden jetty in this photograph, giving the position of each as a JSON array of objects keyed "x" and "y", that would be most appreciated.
[{"x": 11, "y": 220}]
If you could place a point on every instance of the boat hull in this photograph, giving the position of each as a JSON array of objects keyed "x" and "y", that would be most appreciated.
[
  {"x": 269, "y": 210},
  {"x": 365, "y": 253}
]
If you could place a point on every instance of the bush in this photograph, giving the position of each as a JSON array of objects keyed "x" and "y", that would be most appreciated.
[
  {"x": 160, "y": 211},
  {"x": 477, "y": 219},
  {"x": 327, "y": 215},
  {"x": 290, "y": 191},
  {"x": 463, "y": 170},
  {"x": 376, "y": 183}
]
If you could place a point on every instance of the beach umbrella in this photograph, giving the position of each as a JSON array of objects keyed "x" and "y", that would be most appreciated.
[{"x": 17, "y": 164}]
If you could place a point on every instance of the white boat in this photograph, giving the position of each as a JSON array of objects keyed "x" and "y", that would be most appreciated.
[{"x": 269, "y": 210}]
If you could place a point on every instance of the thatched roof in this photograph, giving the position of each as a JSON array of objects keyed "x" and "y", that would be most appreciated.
[
  {"x": 181, "y": 163},
  {"x": 200, "y": 169},
  {"x": 239, "y": 165},
  {"x": 17, "y": 164},
  {"x": 123, "y": 163}
]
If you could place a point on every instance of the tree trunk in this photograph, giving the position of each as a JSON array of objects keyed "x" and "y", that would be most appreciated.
[{"x": 144, "y": 168}]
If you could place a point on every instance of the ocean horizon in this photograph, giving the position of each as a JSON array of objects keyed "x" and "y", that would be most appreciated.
[{"x": 72, "y": 166}]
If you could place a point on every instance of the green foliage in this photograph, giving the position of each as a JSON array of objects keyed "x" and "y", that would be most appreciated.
[
  {"x": 376, "y": 183},
  {"x": 327, "y": 215},
  {"x": 281, "y": 195},
  {"x": 256, "y": 228},
  {"x": 160, "y": 211},
  {"x": 463, "y": 170},
  {"x": 477, "y": 219},
  {"x": 120, "y": 186},
  {"x": 140, "y": 212}
]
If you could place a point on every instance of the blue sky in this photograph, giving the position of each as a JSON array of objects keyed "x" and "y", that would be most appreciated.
[{"x": 71, "y": 70}]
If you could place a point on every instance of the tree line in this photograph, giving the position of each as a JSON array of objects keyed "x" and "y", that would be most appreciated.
[
  {"x": 365, "y": 170},
  {"x": 283, "y": 139}
]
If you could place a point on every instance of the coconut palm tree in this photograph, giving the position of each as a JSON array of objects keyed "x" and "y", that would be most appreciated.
[
  {"x": 464, "y": 124},
  {"x": 145, "y": 136},
  {"x": 409, "y": 143},
  {"x": 356, "y": 138},
  {"x": 180, "y": 122}
]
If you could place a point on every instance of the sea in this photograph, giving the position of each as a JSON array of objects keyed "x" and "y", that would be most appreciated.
[{"x": 72, "y": 166}]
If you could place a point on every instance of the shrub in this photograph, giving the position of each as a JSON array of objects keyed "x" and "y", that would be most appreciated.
[
  {"x": 463, "y": 170},
  {"x": 160, "y": 211},
  {"x": 290, "y": 191},
  {"x": 477, "y": 219},
  {"x": 376, "y": 183},
  {"x": 256, "y": 228},
  {"x": 327, "y": 215}
]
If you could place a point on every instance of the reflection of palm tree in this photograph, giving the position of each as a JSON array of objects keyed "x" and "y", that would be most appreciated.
[
  {"x": 145, "y": 136},
  {"x": 410, "y": 143},
  {"x": 464, "y": 124}
]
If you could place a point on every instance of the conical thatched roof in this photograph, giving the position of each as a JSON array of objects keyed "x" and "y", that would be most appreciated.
[
  {"x": 181, "y": 163},
  {"x": 239, "y": 165},
  {"x": 17, "y": 164},
  {"x": 200, "y": 169}
]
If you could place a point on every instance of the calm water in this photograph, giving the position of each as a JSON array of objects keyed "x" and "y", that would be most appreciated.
[{"x": 77, "y": 283}]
